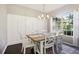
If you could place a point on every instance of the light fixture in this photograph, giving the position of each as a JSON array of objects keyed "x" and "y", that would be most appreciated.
[{"x": 44, "y": 15}]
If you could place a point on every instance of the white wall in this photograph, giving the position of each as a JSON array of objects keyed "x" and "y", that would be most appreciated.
[
  {"x": 16, "y": 19},
  {"x": 76, "y": 27},
  {"x": 3, "y": 28},
  {"x": 18, "y": 24},
  {"x": 53, "y": 26}
]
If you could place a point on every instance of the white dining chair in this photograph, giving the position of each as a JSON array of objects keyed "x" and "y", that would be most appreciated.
[
  {"x": 26, "y": 43},
  {"x": 49, "y": 42},
  {"x": 59, "y": 38}
]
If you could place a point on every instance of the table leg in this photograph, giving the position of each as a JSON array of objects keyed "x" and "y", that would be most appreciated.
[
  {"x": 35, "y": 47},
  {"x": 41, "y": 47}
]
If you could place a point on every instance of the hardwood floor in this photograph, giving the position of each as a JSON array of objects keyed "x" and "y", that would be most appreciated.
[
  {"x": 16, "y": 49},
  {"x": 68, "y": 49}
]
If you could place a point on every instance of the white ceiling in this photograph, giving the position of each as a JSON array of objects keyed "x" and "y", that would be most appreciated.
[{"x": 39, "y": 7}]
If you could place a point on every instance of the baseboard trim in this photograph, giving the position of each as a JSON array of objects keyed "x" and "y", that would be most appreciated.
[{"x": 70, "y": 45}]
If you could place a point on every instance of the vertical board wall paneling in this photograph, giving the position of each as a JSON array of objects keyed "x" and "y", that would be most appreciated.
[
  {"x": 12, "y": 30},
  {"x": 3, "y": 25},
  {"x": 18, "y": 24}
]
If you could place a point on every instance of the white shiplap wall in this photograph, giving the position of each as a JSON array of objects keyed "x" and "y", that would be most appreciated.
[
  {"x": 17, "y": 24},
  {"x": 3, "y": 25}
]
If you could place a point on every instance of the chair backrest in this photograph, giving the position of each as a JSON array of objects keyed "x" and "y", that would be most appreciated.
[
  {"x": 25, "y": 39},
  {"x": 59, "y": 37},
  {"x": 50, "y": 38}
]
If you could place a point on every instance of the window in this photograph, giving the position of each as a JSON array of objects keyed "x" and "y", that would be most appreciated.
[{"x": 65, "y": 23}]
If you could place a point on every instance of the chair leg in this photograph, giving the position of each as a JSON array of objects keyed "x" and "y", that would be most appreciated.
[
  {"x": 44, "y": 50},
  {"x": 53, "y": 50},
  {"x": 34, "y": 49},
  {"x": 56, "y": 47},
  {"x": 24, "y": 50}
]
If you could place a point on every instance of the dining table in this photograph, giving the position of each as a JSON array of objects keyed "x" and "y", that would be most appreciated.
[{"x": 38, "y": 38}]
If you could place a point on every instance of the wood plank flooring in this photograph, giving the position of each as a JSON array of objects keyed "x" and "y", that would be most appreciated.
[{"x": 16, "y": 49}]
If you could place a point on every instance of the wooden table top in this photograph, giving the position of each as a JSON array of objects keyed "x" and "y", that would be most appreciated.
[{"x": 37, "y": 37}]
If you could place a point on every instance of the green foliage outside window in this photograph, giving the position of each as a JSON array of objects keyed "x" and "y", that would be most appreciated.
[{"x": 66, "y": 25}]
